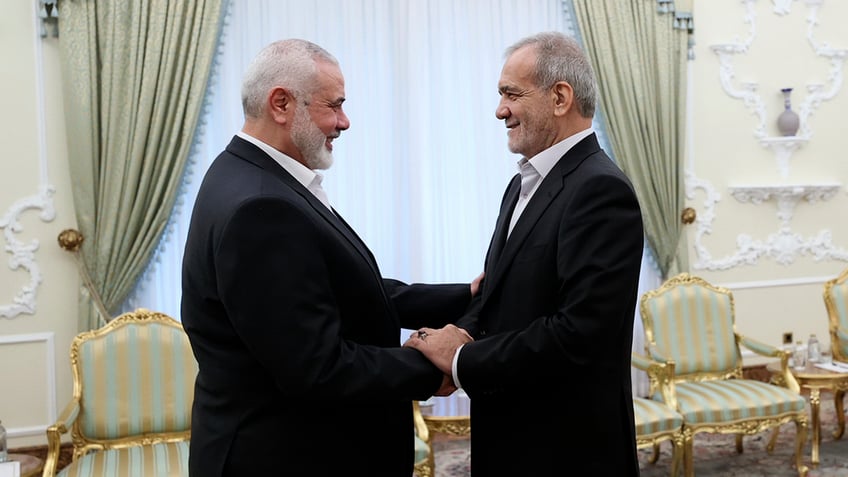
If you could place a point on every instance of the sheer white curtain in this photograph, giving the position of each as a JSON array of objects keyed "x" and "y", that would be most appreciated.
[{"x": 421, "y": 171}]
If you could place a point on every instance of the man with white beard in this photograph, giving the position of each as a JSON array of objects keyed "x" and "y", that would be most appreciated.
[{"x": 295, "y": 331}]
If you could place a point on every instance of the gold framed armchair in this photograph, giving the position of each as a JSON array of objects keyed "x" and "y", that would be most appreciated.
[
  {"x": 691, "y": 323},
  {"x": 836, "y": 302},
  {"x": 130, "y": 413},
  {"x": 656, "y": 421}
]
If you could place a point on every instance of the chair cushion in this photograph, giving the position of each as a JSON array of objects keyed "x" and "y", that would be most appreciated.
[
  {"x": 654, "y": 417},
  {"x": 158, "y": 460},
  {"x": 732, "y": 400}
]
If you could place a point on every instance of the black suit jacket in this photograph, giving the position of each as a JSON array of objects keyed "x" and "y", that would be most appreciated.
[
  {"x": 296, "y": 333},
  {"x": 549, "y": 372}
]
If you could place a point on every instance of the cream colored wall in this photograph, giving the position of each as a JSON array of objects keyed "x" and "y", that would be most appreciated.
[
  {"x": 771, "y": 296},
  {"x": 34, "y": 369}
]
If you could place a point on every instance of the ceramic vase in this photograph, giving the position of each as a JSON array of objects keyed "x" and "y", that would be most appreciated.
[{"x": 788, "y": 121}]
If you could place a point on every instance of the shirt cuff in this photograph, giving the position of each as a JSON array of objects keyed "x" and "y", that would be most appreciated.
[{"x": 453, "y": 367}]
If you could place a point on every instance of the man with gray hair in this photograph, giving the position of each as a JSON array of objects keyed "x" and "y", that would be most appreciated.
[
  {"x": 295, "y": 331},
  {"x": 549, "y": 371}
]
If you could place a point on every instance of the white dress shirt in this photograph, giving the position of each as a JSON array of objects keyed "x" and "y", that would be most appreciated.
[{"x": 306, "y": 176}]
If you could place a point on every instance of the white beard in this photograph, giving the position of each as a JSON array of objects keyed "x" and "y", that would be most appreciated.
[{"x": 309, "y": 139}]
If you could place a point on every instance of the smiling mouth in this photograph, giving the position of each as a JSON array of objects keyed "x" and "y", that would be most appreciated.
[{"x": 329, "y": 142}]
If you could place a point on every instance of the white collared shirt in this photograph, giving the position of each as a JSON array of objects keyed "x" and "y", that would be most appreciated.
[
  {"x": 306, "y": 176},
  {"x": 535, "y": 169}
]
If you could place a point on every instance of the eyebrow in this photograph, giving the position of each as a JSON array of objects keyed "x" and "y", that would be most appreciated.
[{"x": 509, "y": 89}]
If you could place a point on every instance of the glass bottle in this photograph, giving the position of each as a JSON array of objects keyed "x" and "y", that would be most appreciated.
[
  {"x": 4, "y": 452},
  {"x": 800, "y": 356},
  {"x": 813, "y": 349}
]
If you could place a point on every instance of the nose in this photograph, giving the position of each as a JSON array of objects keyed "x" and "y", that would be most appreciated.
[
  {"x": 502, "y": 112},
  {"x": 342, "y": 121}
]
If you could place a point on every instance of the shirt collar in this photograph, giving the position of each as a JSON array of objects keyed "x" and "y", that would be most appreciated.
[
  {"x": 303, "y": 174},
  {"x": 544, "y": 161}
]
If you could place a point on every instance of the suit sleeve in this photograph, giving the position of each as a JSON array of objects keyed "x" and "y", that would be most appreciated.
[{"x": 419, "y": 305}]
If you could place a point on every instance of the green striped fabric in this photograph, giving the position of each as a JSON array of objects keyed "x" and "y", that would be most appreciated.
[
  {"x": 693, "y": 325},
  {"x": 724, "y": 401},
  {"x": 157, "y": 460},
  {"x": 653, "y": 417},
  {"x": 136, "y": 379},
  {"x": 839, "y": 293}
]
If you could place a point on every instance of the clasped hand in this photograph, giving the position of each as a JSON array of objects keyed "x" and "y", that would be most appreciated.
[{"x": 439, "y": 346}]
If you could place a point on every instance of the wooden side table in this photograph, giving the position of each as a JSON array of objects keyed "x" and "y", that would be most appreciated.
[
  {"x": 31, "y": 466},
  {"x": 815, "y": 379}
]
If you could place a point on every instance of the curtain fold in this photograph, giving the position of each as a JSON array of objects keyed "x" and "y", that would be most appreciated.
[
  {"x": 135, "y": 74},
  {"x": 640, "y": 60}
]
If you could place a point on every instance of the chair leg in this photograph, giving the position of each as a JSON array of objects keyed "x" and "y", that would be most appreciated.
[
  {"x": 773, "y": 440},
  {"x": 677, "y": 450},
  {"x": 738, "y": 443},
  {"x": 800, "y": 440},
  {"x": 688, "y": 455},
  {"x": 656, "y": 455},
  {"x": 839, "y": 404}
]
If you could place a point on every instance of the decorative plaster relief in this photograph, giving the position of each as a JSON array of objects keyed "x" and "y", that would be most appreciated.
[
  {"x": 783, "y": 246},
  {"x": 23, "y": 254},
  {"x": 747, "y": 92},
  {"x": 705, "y": 217}
]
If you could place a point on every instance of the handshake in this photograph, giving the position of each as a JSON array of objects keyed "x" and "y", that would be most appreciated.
[{"x": 439, "y": 346}]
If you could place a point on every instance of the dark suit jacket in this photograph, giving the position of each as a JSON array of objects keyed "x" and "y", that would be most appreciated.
[
  {"x": 296, "y": 334},
  {"x": 549, "y": 372}
]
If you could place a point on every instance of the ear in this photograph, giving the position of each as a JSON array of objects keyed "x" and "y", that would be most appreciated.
[
  {"x": 563, "y": 98},
  {"x": 281, "y": 104}
]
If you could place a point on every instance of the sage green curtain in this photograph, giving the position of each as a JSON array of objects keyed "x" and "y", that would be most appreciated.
[
  {"x": 640, "y": 61},
  {"x": 135, "y": 74}
]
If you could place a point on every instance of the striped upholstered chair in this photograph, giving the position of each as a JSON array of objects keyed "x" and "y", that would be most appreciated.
[
  {"x": 836, "y": 302},
  {"x": 130, "y": 414},
  {"x": 690, "y": 322},
  {"x": 657, "y": 422}
]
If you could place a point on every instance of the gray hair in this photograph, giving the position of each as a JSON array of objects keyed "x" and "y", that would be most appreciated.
[
  {"x": 560, "y": 58},
  {"x": 286, "y": 63}
]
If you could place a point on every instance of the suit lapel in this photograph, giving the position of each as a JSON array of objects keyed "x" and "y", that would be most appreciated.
[
  {"x": 548, "y": 190},
  {"x": 501, "y": 228},
  {"x": 250, "y": 152}
]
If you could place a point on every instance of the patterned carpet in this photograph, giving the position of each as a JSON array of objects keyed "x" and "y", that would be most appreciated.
[{"x": 715, "y": 455}]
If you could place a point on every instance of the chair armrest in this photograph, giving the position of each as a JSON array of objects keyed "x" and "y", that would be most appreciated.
[
  {"x": 770, "y": 351},
  {"x": 421, "y": 429},
  {"x": 655, "y": 355},
  {"x": 54, "y": 436},
  {"x": 661, "y": 375},
  {"x": 842, "y": 333},
  {"x": 760, "y": 348}
]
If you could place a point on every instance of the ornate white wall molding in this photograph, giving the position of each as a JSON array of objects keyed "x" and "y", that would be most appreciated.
[
  {"x": 747, "y": 92},
  {"x": 23, "y": 254},
  {"x": 783, "y": 246},
  {"x": 705, "y": 217},
  {"x": 787, "y": 196},
  {"x": 49, "y": 376}
]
